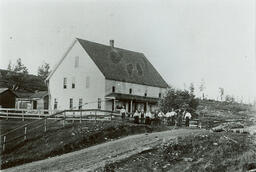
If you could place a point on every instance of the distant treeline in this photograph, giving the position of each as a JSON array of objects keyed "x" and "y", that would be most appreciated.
[{"x": 21, "y": 82}]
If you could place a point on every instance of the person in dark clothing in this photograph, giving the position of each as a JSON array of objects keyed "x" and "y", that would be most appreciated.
[
  {"x": 142, "y": 117},
  {"x": 187, "y": 118},
  {"x": 122, "y": 111},
  {"x": 136, "y": 117},
  {"x": 148, "y": 118}
]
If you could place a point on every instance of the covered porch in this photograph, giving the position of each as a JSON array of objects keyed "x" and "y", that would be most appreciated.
[{"x": 131, "y": 102}]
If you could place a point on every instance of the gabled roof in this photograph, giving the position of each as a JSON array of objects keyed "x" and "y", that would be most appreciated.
[
  {"x": 5, "y": 89},
  {"x": 121, "y": 65}
]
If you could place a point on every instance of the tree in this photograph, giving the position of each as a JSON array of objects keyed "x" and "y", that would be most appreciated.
[
  {"x": 202, "y": 87},
  {"x": 9, "y": 67},
  {"x": 221, "y": 90},
  {"x": 43, "y": 71},
  {"x": 20, "y": 68},
  {"x": 178, "y": 99},
  {"x": 18, "y": 74},
  {"x": 192, "y": 88}
]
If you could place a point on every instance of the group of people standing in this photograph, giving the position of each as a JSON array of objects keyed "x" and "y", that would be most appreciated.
[{"x": 173, "y": 117}]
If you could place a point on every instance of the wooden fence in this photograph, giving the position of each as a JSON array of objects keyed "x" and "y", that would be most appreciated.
[{"x": 58, "y": 119}]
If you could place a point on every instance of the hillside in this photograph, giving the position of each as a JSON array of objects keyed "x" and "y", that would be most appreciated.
[{"x": 21, "y": 82}]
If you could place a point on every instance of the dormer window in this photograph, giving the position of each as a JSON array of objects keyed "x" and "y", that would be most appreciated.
[
  {"x": 130, "y": 91},
  {"x": 145, "y": 94},
  {"x": 113, "y": 89},
  {"x": 160, "y": 95}
]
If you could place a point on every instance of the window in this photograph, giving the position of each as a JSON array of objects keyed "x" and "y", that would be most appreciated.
[
  {"x": 71, "y": 103},
  {"x": 160, "y": 95},
  {"x": 80, "y": 104},
  {"x": 73, "y": 82},
  {"x": 55, "y": 104},
  {"x": 99, "y": 103},
  {"x": 113, "y": 89},
  {"x": 145, "y": 94},
  {"x": 87, "y": 82},
  {"x": 76, "y": 62},
  {"x": 130, "y": 91},
  {"x": 65, "y": 83}
]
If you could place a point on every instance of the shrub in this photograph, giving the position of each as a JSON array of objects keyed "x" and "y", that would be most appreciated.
[{"x": 178, "y": 99}]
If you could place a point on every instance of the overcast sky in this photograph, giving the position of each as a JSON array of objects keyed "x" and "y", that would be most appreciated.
[{"x": 186, "y": 40}]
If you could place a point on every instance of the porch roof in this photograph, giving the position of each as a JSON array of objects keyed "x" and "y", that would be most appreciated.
[{"x": 136, "y": 98}]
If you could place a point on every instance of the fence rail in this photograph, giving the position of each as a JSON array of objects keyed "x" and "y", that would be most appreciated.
[{"x": 13, "y": 137}]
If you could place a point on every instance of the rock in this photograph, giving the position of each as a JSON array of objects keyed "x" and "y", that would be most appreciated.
[
  {"x": 215, "y": 144},
  {"x": 73, "y": 134},
  {"x": 188, "y": 159},
  {"x": 166, "y": 166}
]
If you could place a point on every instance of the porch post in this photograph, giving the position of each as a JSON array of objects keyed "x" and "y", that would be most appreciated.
[
  {"x": 146, "y": 106},
  {"x": 114, "y": 104},
  {"x": 131, "y": 107}
]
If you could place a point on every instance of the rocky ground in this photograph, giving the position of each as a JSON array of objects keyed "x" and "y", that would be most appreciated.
[{"x": 196, "y": 152}]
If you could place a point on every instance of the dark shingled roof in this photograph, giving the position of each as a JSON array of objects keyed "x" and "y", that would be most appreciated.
[
  {"x": 23, "y": 94},
  {"x": 123, "y": 65}
]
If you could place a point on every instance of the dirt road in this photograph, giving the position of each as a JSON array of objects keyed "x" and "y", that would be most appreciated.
[{"x": 97, "y": 156}]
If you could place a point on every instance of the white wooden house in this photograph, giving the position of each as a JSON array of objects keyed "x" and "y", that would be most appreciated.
[{"x": 92, "y": 75}]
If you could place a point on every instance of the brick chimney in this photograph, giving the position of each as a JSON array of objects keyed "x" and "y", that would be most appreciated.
[{"x": 111, "y": 43}]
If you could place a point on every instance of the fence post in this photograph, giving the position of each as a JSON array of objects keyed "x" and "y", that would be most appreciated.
[
  {"x": 80, "y": 117},
  {"x": 7, "y": 114},
  {"x": 22, "y": 115},
  {"x": 4, "y": 143},
  {"x": 64, "y": 118},
  {"x": 45, "y": 122},
  {"x": 25, "y": 133},
  {"x": 73, "y": 117}
]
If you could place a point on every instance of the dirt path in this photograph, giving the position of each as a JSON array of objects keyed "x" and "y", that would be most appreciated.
[{"x": 97, "y": 156}]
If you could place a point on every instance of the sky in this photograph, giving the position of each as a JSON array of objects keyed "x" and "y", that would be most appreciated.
[{"x": 186, "y": 40}]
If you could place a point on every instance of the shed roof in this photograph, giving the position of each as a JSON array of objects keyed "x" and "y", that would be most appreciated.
[
  {"x": 23, "y": 94},
  {"x": 39, "y": 94}
]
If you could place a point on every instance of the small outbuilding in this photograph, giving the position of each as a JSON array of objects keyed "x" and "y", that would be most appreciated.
[
  {"x": 37, "y": 100},
  {"x": 40, "y": 100},
  {"x": 7, "y": 98}
]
